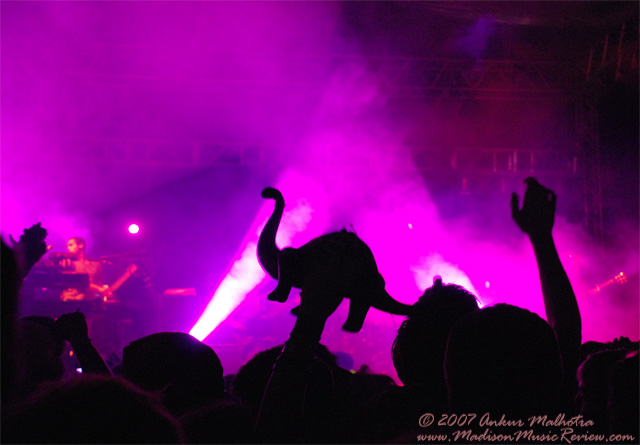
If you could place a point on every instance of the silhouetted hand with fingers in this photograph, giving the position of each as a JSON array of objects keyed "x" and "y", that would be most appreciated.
[
  {"x": 538, "y": 209},
  {"x": 31, "y": 247}
]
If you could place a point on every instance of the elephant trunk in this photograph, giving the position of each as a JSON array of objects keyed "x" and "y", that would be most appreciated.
[
  {"x": 268, "y": 252},
  {"x": 385, "y": 302},
  {"x": 381, "y": 300}
]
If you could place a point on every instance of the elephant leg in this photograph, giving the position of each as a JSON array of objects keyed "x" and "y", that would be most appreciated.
[
  {"x": 281, "y": 292},
  {"x": 286, "y": 272},
  {"x": 357, "y": 312}
]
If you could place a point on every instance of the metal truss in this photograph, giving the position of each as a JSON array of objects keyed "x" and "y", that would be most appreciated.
[
  {"x": 588, "y": 140},
  {"x": 155, "y": 152},
  {"x": 402, "y": 76},
  {"x": 419, "y": 79},
  {"x": 517, "y": 162},
  {"x": 482, "y": 79}
]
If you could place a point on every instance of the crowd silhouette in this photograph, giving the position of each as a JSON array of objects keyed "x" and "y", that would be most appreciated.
[{"x": 469, "y": 374}]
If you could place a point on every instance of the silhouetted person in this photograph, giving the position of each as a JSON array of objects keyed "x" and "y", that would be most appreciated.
[
  {"x": 80, "y": 263},
  {"x": 418, "y": 356},
  {"x": 623, "y": 404},
  {"x": 90, "y": 409},
  {"x": 38, "y": 354},
  {"x": 503, "y": 359},
  {"x": 252, "y": 378},
  {"x": 223, "y": 421},
  {"x": 284, "y": 413},
  {"x": 184, "y": 371},
  {"x": 593, "y": 391},
  {"x": 418, "y": 350},
  {"x": 331, "y": 393},
  {"x": 16, "y": 263}
]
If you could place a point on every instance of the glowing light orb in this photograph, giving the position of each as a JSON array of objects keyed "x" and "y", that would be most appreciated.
[{"x": 133, "y": 229}]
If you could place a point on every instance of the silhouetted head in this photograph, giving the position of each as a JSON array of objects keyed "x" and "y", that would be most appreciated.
[
  {"x": 50, "y": 325},
  {"x": 38, "y": 353},
  {"x": 90, "y": 409},
  {"x": 622, "y": 406},
  {"x": 593, "y": 373},
  {"x": 187, "y": 372},
  {"x": 319, "y": 399},
  {"x": 252, "y": 378},
  {"x": 223, "y": 421},
  {"x": 503, "y": 359},
  {"x": 418, "y": 350}
]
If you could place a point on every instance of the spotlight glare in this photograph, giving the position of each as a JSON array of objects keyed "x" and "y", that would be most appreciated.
[
  {"x": 133, "y": 229},
  {"x": 246, "y": 273}
]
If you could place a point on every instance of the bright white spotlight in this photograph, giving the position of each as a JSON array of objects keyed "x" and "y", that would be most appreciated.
[
  {"x": 133, "y": 229},
  {"x": 246, "y": 273}
]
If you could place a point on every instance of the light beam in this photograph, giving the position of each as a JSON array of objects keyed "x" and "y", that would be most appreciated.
[{"x": 245, "y": 273}]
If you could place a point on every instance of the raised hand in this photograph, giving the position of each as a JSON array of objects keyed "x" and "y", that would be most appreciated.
[
  {"x": 538, "y": 209},
  {"x": 31, "y": 246},
  {"x": 73, "y": 327},
  {"x": 536, "y": 219}
]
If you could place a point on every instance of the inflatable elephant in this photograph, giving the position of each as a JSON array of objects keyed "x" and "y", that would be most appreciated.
[{"x": 343, "y": 249}]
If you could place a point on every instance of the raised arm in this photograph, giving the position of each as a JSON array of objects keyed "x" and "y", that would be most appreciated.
[
  {"x": 283, "y": 409},
  {"x": 17, "y": 261},
  {"x": 536, "y": 219},
  {"x": 73, "y": 328}
]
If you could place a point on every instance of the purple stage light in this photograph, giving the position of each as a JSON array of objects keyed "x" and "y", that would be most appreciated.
[{"x": 134, "y": 229}]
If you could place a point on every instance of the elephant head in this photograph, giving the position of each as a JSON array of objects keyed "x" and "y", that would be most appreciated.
[{"x": 343, "y": 249}]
